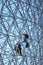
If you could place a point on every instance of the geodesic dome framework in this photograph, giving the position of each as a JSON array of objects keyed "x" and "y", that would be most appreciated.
[{"x": 16, "y": 17}]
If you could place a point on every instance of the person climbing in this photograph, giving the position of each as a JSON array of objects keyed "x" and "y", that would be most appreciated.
[
  {"x": 26, "y": 37},
  {"x": 18, "y": 48}
]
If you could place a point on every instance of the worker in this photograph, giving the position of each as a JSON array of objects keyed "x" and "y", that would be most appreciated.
[
  {"x": 25, "y": 40},
  {"x": 25, "y": 36},
  {"x": 17, "y": 48}
]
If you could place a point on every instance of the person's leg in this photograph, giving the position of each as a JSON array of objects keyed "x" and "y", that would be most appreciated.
[{"x": 27, "y": 45}]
